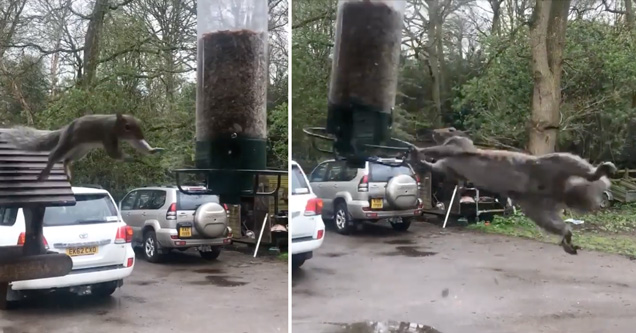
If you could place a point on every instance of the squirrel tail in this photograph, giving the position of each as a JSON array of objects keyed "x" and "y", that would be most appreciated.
[{"x": 31, "y": 139}]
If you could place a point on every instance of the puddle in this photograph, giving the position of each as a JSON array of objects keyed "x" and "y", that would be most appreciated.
[
  {"x": 209, "y": 270},
  {"x": 410, "y": 251},
  {"x": 382, "y": 327},
  {"x": 134, "y": 299},
  {"x": 400, "y": 242},
  {"x": 323, "y": 270},
  {"x": 219, "y": 281},
  {"x": 143, "y": 283}
]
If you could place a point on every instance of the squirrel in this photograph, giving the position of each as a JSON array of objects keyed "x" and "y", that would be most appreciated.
[{"x": 75, "y": 140}]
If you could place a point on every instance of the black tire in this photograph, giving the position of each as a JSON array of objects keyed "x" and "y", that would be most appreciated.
[
  {"x": 297, "y": 261},
  {"x": 104, "y": 289},
  {"x": 403, "y": 226},
  {"x": 150, "y": 247},
  {"x": 212, "y": 255},
  {"x": 342, "y": 219}
]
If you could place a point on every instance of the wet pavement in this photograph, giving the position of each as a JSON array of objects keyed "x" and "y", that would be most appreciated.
[
  {"x": 237, "y": 293},
  {"x": 454, "y": 281}
]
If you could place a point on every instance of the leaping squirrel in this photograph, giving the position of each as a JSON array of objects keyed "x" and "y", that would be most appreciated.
[{"x": 75, "y": 140}]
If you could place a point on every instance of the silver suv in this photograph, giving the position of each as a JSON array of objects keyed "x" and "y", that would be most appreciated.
[
  {"x": 375, "y": 192},
  {"x": 164, "y": 218}
]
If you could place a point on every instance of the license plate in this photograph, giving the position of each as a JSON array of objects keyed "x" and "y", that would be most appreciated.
[
  {"x": 81, "y": 251},
  {"x": 376, "y": 203},
  {"x": 185, "y": 232}
]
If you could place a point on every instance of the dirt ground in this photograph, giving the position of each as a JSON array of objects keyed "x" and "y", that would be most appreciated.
[
  {"x": 454, "y": 281},
  {"x": 237, "y": 293}
]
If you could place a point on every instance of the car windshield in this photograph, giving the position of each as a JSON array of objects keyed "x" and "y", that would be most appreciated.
[
  {"x": 298, "y": 183},
  {"x": 193, "y": 201},
  {"x": 382, "y": 173},
  {"x": 89, "y": 208}
]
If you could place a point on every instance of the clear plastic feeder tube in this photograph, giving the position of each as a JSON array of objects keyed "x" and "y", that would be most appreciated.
[
  {"x": 365, "y": 66},
  {"x": 232, "y": 61}
]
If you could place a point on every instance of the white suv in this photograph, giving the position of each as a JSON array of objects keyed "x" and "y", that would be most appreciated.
[
  {"x": 307, "y": 227},
  {"x": 92, "y": 233}
]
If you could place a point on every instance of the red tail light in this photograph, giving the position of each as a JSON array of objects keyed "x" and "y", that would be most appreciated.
[
  {"x": 172, "y": 212},
  {"x": 313, "y": 207},
  {"x": 364, "y": 184},
  {"x": 227, "y": 210},
  {"x": 22, "y": 239},
  {"x": 124, "y": 235}
]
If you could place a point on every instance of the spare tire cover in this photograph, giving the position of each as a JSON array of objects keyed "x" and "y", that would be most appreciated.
[
  {"x": 210, "y": 220},
  {"x": 401, "y": 192}
]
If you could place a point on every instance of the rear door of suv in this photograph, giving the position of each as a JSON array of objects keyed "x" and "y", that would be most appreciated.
[
  {"x": 379, "y": 176},
  {"x": 187, "y": 205},
  {"x": 87, "y": 231},
  {"x": 301, "y": 194}
]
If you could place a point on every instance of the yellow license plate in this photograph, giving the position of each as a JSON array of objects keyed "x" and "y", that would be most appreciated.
[
  {"x": 185, "y": 232},
  {"x": 376, "y": 203},
  {"x": 81, "y": 251}
]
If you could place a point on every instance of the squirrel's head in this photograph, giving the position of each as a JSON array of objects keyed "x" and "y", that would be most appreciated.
[{"x": 128, "y": 127}]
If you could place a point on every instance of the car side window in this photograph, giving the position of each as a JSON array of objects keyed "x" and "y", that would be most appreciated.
[
  {"x": 334, "y": 174},
  {"x": 129, "y": 201},
  {"x": 8, "y": 215},
  {"x": 158, "y": 199},
  {"x": 348, "y": 173},
  {"x": 143, "y": 200},
  {"x": 318, "y": 175}
]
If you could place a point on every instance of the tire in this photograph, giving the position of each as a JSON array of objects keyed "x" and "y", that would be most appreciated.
[
  {"x": 105, "y": 289},
  {"x": 297, "y": 261},
  {"x": 212, "y": 255},
  {"x": 403, "y": 226},
  {"x": 342, "y": 220},
  {"x": 151, "y": 247}
]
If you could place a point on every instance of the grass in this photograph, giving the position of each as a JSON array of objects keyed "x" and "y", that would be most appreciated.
[
  {"x": 283, "y": 256},
  {"x": 612, "y": 230}
]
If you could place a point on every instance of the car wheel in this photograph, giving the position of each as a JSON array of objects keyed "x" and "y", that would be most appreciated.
[
  {"x": 211, "y": 255},
  {"x": 151, "y": 247},
  {"x": 297, "y": 261},
  {"x": 105, "y": 289},
  {"x": 342, "y": 220},
  {"x": 400, "y": 223}
]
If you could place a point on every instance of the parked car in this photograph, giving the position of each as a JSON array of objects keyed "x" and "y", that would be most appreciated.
[
  {"x": 92, "y": 233},
  {"x": 307, "y": 227},
  {"x": 372, "y": 193},
  {"x": 164, "y": 218}
]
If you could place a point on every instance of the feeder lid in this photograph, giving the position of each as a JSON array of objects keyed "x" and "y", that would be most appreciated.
[{"x": 18, "y": 179}]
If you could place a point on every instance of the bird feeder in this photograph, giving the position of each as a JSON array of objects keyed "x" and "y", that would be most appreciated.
[
  {"x": 231, "y": 101},
  {"x": 19, "y": 188},
  {"x": 364, "y": 73}
]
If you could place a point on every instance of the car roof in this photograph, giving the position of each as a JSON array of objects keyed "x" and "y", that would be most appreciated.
[{"x": 87, "y": 190}]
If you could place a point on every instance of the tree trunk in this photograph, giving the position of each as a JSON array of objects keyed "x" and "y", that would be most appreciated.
[
  {"x": 629, "y": 15},
  {"x": 495, "y": 5},
  {"x": 433, "y": 62},
  {"x": 91, "y": 42},
  {"x": 547, "y": 40}
]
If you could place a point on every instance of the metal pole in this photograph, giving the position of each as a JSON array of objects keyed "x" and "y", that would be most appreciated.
[
  {"x": 260, "y": 236},
  {"x": 450, "y": 206}
]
